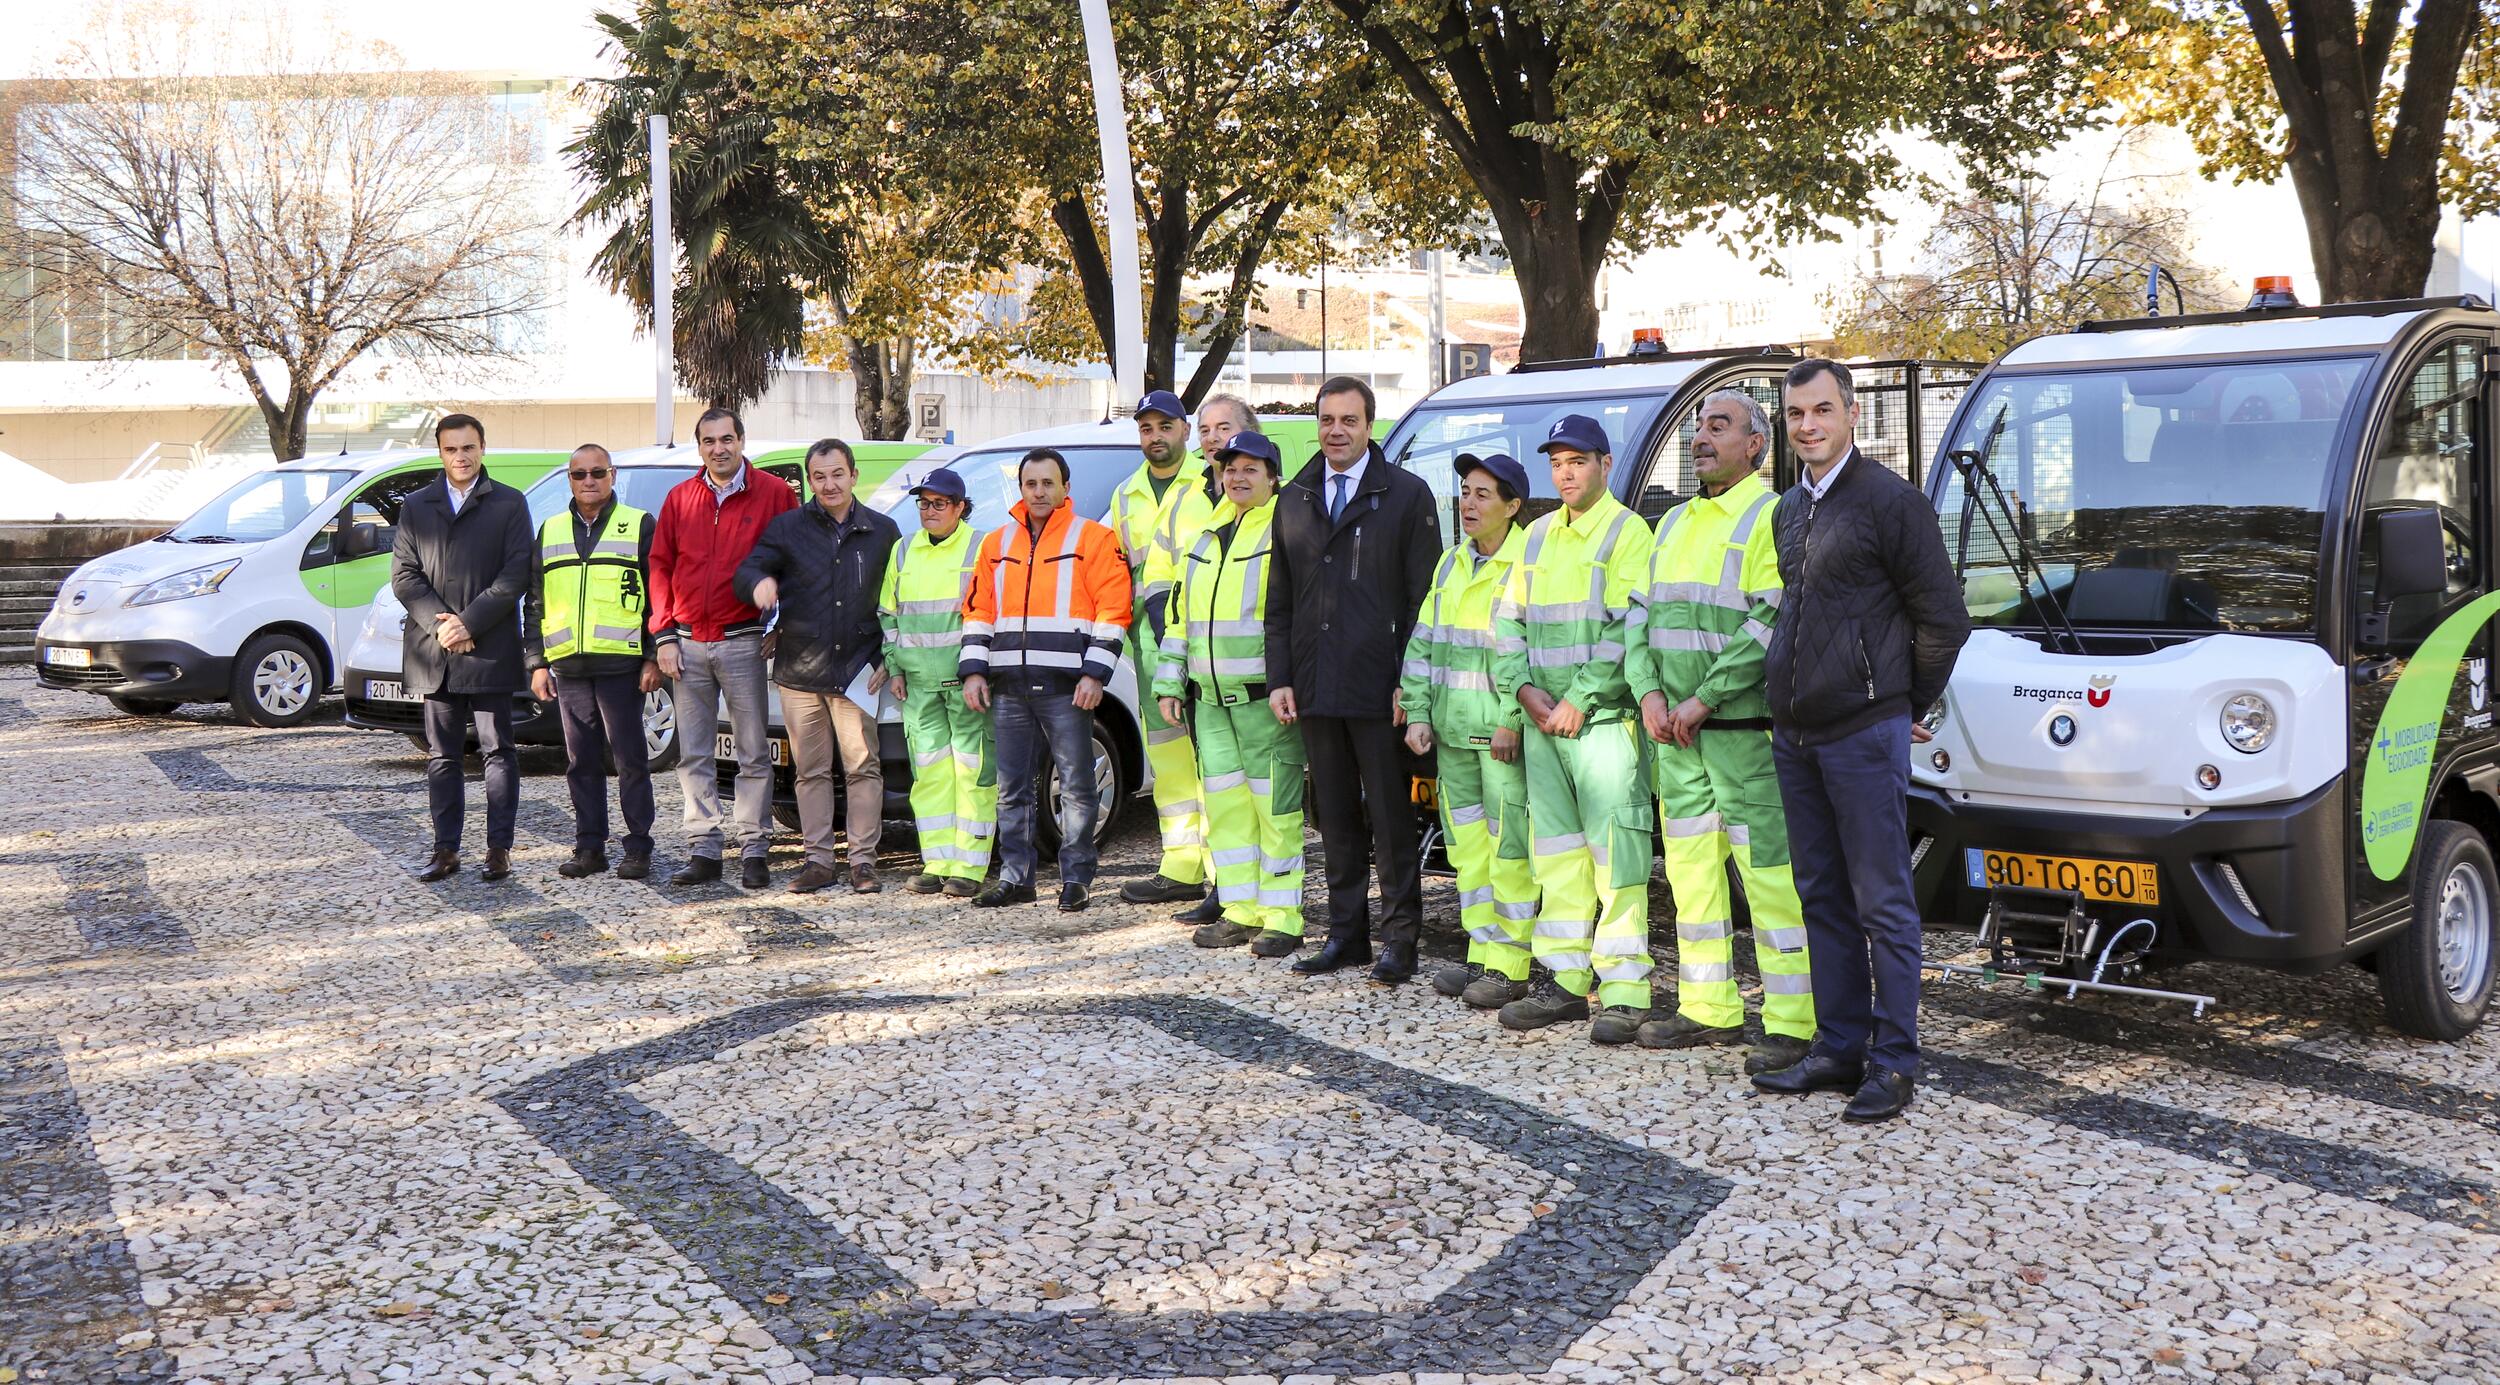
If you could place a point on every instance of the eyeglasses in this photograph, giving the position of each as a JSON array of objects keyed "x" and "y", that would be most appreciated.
[
  {"x": 937, "y": 502},
  {"x": 597, "y": 473}
]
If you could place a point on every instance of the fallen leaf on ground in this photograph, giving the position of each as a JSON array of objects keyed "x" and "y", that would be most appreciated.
[
  {"x": 2169, "y": 1356},
  {"x": 1542, "y": 1209},
  {"x": 400, "y": 1309},
  {"x": 2033, "y": 1274},
  {"x": 1052, "y": 1288},
  {"x": 776, "y": 1300}
]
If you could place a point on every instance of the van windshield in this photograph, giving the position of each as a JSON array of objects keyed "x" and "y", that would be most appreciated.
[
  {"x": 2187, "y": 497},
  {"x": 262, "y": 507}
]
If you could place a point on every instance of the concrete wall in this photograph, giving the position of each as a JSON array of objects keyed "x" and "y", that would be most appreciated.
[
  {"x": 563, "y": 427},
  {"x": 812, "y": 403},
  {"x": 96, "y": 444}
]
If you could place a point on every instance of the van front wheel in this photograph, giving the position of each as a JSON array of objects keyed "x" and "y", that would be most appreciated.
[
  {"x": 2436, "y": 976},
  {"x": 277, "y": 682}
]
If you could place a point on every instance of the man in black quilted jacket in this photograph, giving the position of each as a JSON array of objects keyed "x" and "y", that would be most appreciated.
[{"x": 1871, "y": 619}]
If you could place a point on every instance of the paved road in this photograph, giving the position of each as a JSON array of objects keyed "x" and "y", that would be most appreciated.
[{"x": 271, "y": 1110}]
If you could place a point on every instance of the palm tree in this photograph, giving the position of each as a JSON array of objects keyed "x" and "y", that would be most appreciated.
[{"x": 751, "y": 248}]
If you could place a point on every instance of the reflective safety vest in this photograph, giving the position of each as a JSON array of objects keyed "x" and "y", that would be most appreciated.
[
  {"x": 1447, "y": 681},
  {"x": 1704, "y": 615},
  {"x": 1562, "y": 622},
  {"x": 596, "y": 603},
  {"x": 920, "y": 609},
  {"x": 1058, "y": 604},
  {"x": 1215, "y": 643},
  {"x": 1155, "y": 535}
]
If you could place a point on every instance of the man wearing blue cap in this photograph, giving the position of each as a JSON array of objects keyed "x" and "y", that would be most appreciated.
[
  {"x": 1560, "y": 633},
  {"x": 1157, "y": 515}
]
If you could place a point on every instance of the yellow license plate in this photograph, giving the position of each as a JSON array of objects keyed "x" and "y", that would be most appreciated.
[{"x": 2113, "y": 882}]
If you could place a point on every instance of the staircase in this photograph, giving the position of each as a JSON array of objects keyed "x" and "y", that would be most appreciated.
[{"x": 27, "y": 587}]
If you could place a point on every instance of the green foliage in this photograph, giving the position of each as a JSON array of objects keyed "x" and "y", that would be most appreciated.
[
  {"x": 752, "y": 243},
  {"x": 1596, "y": 125},
  {"x": 2379, "y": 112},
  {"x": 1250, "y": 129}
]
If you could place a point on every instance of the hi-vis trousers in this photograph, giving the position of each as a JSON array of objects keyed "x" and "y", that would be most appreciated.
[
  {"x": 1722, "y": 798},
  {"x": 1589, "y": 830},
  {"x": 1496, "y": 890},
  {"x": 954, "y": 780},
  {"x": 1253, "y": 784}
]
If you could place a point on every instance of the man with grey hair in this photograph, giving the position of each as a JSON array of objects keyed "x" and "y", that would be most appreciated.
[{"x": 1699, "y": 628}]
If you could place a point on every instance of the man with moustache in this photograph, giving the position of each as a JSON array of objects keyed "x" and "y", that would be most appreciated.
[{"x": 1699, "y": 628}]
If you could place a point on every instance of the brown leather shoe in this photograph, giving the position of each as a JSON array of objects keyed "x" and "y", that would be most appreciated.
[
  {"x": 498, "y": 864},
  {"x": 811, "y": 878},
  {"x": 864, "y": 880},
  {"x": 442, "y": 865}
]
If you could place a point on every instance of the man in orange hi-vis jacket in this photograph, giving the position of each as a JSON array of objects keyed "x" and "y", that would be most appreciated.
[{"x": 1043, "y": 626}]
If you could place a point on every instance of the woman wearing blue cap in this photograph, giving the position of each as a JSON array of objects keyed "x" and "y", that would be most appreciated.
[
  {"x": 954, "y": 784},
  {"x": 1455, "y": 714},
  {"x": 1214, "y": 655}
]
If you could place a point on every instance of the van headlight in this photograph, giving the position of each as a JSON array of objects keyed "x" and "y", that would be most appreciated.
[
  {"x": 2248, "y": 723},
  {"x": 199, "y": 581}
]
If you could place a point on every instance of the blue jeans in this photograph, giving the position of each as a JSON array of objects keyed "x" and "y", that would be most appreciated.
[
  {"x": 1032, "y": 718},
  {"x": 1849, "y": 842}
]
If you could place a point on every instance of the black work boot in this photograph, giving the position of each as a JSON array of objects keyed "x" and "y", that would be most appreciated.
[
  {"x": 1616, "y": 1024},
  {"x": 1776, "y": 1051},
  {"x": 1275, "y": 942},
  {"x": 1207, "y": 910},
  {"x": 1683, "y": 1031},
  {"x": 1221, "y": 933},
  {"x": 925, "y": 883},
  {"x": 1159, "y": 889},
  {"x": 1492, "y": 991},
  {"x": 1548, "y": 1004},
  {"x": 1453, "y": 981},
  {"x": 702, "y": 870},
  {"x": 590, "y": 861}
]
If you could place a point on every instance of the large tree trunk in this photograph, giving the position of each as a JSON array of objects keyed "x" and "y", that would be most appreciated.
[
  {"x": 1557, "y": 292},
  {"x": 290, "y": 425},
  {"x": 882, "y": 372},
  {"x": 2372, "y": 214},
  {"x": 2380, "y": 249}
]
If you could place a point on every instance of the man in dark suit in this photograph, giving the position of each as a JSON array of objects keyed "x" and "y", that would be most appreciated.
[
  {"x": 461, "y": 563},
  {"x": 1339, "y": 636}
]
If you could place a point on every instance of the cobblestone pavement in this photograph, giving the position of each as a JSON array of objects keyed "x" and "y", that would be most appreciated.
[{"x": 270, "y": 1110}]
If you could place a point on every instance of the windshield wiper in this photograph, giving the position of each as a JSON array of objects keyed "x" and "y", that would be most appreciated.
[
  {"x": 208, "y": 538},
  {"x": 1973, "y": 464}
]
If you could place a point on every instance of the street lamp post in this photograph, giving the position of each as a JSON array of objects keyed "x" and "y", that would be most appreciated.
[
  {"x": 663, "y": 293},
  {"x": 1119, "y": 198}
]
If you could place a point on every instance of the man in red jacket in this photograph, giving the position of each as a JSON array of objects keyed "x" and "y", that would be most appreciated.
[{"x": 711, "y": 644}]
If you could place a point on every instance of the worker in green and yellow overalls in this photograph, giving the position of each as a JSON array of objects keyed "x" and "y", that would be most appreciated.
[
  {"x": 1215, "y": 657},
  {"x": 1559, "y": 633},
  {"x": 1699, "y": 631},
  {"x": 1157, "y": 514},
  {"x": 954, "y": 782},
  {"x": 1454, "y": 714}
]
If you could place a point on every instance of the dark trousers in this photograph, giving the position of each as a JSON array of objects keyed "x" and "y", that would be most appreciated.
[
  {"x": 448, "y": 717},
  {"x": 1361, "y": 798},
  {"x": 603, "y": 730},
  {"x": 1849, "y": 843},
  {"x": 1034, "y": 720}
]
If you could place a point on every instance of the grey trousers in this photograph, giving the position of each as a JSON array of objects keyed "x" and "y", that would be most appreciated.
[
  {"x": 730, "y": 671},
  {"x": 821, "y": 724}
]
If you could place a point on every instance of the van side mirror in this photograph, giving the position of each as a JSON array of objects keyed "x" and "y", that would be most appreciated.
[
  {"x": 357, "y": 540},
  {"x": 2412, "y": 561}
]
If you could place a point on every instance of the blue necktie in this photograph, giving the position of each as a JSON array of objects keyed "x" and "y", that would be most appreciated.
[{"x": 1336, "y": 496}]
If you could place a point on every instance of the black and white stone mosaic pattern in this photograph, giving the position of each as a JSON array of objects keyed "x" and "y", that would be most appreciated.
[{"x": 272, "y": 1111}]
